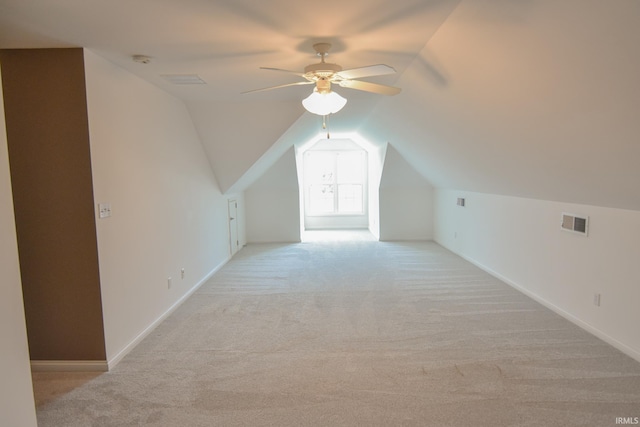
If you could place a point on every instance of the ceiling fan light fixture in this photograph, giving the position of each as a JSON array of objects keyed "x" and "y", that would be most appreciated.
[{"x": 323, "y": 104}]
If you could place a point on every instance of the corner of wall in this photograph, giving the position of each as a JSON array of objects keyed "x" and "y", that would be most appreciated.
[{"x": 17, "y": 407}]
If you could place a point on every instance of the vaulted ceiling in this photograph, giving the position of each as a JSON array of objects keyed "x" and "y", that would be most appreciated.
[{"x": 530, "y": 98}]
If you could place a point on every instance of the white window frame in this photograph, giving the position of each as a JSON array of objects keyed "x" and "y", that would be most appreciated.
[{"x": 335, "y": 183}]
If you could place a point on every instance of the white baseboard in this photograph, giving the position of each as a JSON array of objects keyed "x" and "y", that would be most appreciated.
[
  {"x": 69, "y": 366},
  {"x": 111, "y": 363},
  {"x": 573, "y": 319}
]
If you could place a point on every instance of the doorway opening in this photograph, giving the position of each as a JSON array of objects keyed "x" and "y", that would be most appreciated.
[{"x": 234, "y": 243}]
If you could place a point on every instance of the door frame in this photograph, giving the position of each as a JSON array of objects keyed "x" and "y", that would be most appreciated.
[{"x": 234, "y": 239}]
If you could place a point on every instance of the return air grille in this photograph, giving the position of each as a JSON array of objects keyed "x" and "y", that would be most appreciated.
[{"x": 575, "y": 223}]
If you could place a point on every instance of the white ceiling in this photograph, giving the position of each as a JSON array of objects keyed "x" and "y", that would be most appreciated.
[
  {"x": 226, "y": 41},
  {"x": 532, "y": 98}
]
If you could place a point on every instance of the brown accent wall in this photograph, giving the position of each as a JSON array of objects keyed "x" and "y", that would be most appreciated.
[{"x": 48, "y": 140}]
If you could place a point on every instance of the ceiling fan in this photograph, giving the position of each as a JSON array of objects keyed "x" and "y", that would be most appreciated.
[{"x": 323, "y": 100}]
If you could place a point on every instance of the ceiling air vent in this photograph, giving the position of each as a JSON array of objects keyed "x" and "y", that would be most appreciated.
[
  {"x": 183, "y": 79},
  {"x": 575, "y": 224}
]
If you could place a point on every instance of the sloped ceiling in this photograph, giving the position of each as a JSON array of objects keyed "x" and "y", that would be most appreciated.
[
  {"x": 525, "y": 98},
  {"x": 398, "y": 173},
  {"x": 532, "y": 98}
]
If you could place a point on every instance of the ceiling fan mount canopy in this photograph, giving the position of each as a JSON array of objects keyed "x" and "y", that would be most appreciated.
[{"x": 322, "y": 49}]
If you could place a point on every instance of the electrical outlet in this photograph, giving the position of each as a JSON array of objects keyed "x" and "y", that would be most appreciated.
[
  {"x": 182, "y": 273},
  {"x": 596, "y": 299},
  {"x": 168, "y": 282}
]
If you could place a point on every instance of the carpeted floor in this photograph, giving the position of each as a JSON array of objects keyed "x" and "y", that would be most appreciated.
[{"x": 357, "y": 334}]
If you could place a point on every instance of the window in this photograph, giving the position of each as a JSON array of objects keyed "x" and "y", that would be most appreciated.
[{"x": 335, "y": 182}]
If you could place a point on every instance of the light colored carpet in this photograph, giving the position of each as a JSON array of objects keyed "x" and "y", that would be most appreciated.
[{"x": 358, "y": 334}]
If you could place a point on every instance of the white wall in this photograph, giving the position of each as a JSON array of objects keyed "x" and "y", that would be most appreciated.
[
  {"x": 406, "y": 213},
  {"x": 520, "y": 241},
  {"x": 167, "y": 209},
  {"x": 376, "y": 163},
  {"x": 16, "y": 394},
  {"x": 272, "y": 203},
  {"x": 406, "y": 201}
]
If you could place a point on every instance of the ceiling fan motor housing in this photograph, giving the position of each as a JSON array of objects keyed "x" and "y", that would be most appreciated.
[
  {"x": 322, "y": 69},
  {"x": 321, "y": 73}
]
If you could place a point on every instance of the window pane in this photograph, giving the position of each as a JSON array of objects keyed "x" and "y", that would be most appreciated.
[
  {"x": 319, "y": 167},
  {"x": 349, "y": 198},
  {"x": 321, "y": 198},
  {"x": 350, "y": 167}
]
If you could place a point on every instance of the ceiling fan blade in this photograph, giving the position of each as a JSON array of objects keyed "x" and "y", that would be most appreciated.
[
  {"x": 370, "y": 87},
  {"x": 370, "y": 71},
  {"x": 297, "y": 73},
  {"x": 278, "y": 87}
]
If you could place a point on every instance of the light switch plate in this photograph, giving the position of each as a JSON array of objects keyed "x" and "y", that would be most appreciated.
[{"x": 104, "y": 210}]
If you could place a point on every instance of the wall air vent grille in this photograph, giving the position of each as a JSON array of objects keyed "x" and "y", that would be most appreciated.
[{"x": 575, "y": 223}]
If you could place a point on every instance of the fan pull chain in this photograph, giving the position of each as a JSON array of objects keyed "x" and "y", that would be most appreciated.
[{"x": 324, "y": 126}]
